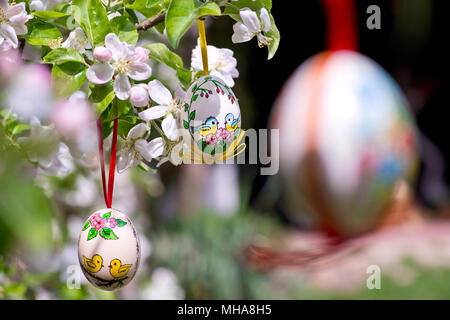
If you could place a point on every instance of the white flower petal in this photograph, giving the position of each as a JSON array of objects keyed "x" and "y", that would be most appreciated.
[
  {"x": 140, "y": 71},
  {"x": 241, "y": 33},
  {"x": 265, "y": 20},
  {"x": 122, "y": 86},
  {"x": 141, "y": 146},
  {"x": 139, "y": 95},
  {"x": 156, "y": 147},
  {"x": 100, "y": 73},
  {"x": 153, "y": 113},
  {"x": 250, "y": 19},
  {"x": 113, "y": 43},
  {"x": 170, "y": 128},
  {"x": 126, "y": 160},
  {"x": 9, "y": 34},
  {"x": 159, "y": 93},
  {"x": 137, "y": 131}
]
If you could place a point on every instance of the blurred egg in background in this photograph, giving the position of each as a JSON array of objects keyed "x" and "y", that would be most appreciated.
[{"x": 346, "y": 139}]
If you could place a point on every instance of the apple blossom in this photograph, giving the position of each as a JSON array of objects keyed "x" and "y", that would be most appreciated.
[
  {"x": 78, "y": 41},
  {"x": 136, "y": 148},
  {"x": 43, "y": 5},
  {"x": 250, "y": 26},
  {"x": 102, "y": 54},
  {"x": 221, "y": 63},
  {"x": 167, "y": 108},
  {"x": 123, "y": 62},
  {"x": 12, "y": 23}
]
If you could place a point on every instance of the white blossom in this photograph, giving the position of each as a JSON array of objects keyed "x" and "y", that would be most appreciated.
[
  {"x": 221, "y": 63},
  {"x": 252, "y": 26},
  {"x": 78, "y": 41},
  {"x": 126, "y": 61},
  {"x": 136, "y": 148},
  {"x": 12, "y": 23}
]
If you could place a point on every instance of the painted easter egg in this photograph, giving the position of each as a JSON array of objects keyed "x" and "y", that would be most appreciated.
[
  {"x": 346, "y": 139},
  {"x": 109, "y": 249},
  {"x": 211, "y": 116}
]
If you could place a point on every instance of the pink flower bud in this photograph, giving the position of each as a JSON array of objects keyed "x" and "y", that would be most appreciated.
[
  {"x": 139, "y": 95},
  {"x": 140, "y": 54},
  {"x": 103, "y": 54}
]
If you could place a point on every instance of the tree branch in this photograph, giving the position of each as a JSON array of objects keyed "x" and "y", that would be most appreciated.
[{"x": 147, "y": 24}]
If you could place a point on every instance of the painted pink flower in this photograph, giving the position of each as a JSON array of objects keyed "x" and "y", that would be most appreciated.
[
  {"x": 110, "y": 223},
  {"x": 96, "y": 221},
  {"x": 221, "y": 134},
  {"x": 211, "y": 139},
  {"x": 230, "y": 136}
]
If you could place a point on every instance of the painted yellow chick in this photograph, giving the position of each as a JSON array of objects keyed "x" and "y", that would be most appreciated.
[
  {"x": 117, "y": 269},
  {"x": 94, "y": 264}
]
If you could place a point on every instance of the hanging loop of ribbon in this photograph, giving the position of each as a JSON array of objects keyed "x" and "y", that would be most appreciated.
[
  {"x": 107, "y": 193},
  {"x": 203, "y": 45}
]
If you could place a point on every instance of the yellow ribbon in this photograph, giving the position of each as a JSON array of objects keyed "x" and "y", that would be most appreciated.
[{"x": 203, "y": 45}]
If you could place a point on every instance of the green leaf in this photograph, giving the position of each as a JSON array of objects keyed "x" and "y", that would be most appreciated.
[
  {"x": 125, "y": 123},
  {"x": 41, "y": 33},
  {"x": 91, "y": 16},
  {"x": 186, "y": 124},
  {"x": 92, "y": 233},
  {"x": 86, "y": 225},
  {"x": 67, "y": 78},
  {"x": 192, "y": 115},
  {"x": 125, "y": 29},
  {"x": 274, "y": 33},
  {"x": 19, "y": 128},
  {"x": 160, "y": 53},
  {"x": 185, "y": 77},
  {"x": 47, "y": 15},
  {"x": 195, "y": 97},
  {"x": 101, "y": 97},
  {"x": 186, "y": 107},
  {"x": 120, "y": 222},
  {"x": 106, "y": 215},
  {"x": 108, "y": 234},
  {"x": 182, "y": 13},
  {"x": 149, "y": 8},
  {"x": 63, "y": 55},
  {"x": 118, "y": 108}
]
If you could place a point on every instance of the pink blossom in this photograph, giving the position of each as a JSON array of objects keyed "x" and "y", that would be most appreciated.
[
  {"x": 140, "y": 54},
  {"x": 73, "y": 115},
  {"x": 211, "y": 139},
  {"x": 221, "y": 134},
  {"x": 110, "y": 223}
]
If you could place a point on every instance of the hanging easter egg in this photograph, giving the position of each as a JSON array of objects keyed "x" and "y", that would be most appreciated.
[
  {"x": 109, "y": 249},
  {"x": 346, "y": 139},
  {"x": 211, "y": 116}
]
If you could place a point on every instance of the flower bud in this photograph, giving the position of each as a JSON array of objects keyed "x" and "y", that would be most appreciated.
[
  {"x": 139, "y": 96},
  {"x": 103, "y": 54}
]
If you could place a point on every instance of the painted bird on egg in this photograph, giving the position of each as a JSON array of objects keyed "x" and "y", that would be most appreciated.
[{"x": 211, "y": 115}]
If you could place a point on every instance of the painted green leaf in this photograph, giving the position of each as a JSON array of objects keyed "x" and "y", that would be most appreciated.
[
  {"x": 182, "y": 13},
  {"x": 186, "y": 107},
  {"x": 106, "y": 215},
  {"x": 160, "y": 53},
  {"x": 67, "y": 78},
  {"x": 41, "y": 33},
  {"x": 91, "y": 16},
  {"x": 125, "y": 29},
  {"x": 86, "y": 225},
  {"x": 108, "y": 234},
  {"x": 192, "y": 115},
  {"x": 92, "y": 233},
  {"x": 47, "y": 15},
  {"x": 195, "y": 97},
  {"x": 101, "y": 97},
  {"x": 63, "y": 55},
  {"x": 186, "y": 124},
  {"x": 120, "y": 222}
]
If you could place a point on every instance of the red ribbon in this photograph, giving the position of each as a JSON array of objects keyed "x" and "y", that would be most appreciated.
[
  {"x": 112, "y": 162},
  {"x": 341, "y": 24}
]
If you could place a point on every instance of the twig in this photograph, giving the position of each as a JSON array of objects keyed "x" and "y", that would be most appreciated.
[{"x": 147, "y": 24}]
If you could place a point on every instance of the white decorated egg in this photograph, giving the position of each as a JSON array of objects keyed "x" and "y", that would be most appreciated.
[
  {"x": 109, "y": 249},
  {"x": 211, "y": 115},
  {"x": 346, "y": 139}
]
